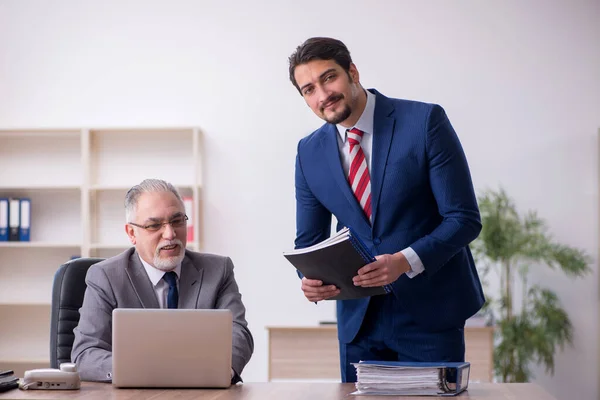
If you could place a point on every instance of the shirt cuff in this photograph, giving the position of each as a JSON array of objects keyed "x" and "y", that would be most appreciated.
[{"x": 416, "y": 265}]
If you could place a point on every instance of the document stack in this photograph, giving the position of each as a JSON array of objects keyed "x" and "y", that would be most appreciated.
[
  {"x": 335, "y": 261},
  {"x": 411, "y": 378}
]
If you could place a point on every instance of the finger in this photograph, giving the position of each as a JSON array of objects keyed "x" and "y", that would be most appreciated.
[
  {"x": 318, "y": 289},
  {"x": 378, "y": 281},
  {"x": 319, "y": 297},
  {"x": 369, "y": 275},
  {"x": 311, "y": 282},
  {"x": 369, "y": 267},
  {"x": 335, "y": 293}
]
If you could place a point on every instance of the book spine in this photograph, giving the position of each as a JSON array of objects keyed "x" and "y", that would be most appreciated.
[{"x": 365, "y": 253}]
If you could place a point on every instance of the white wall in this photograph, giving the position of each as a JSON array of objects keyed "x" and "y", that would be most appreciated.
[{"x": 519, "y": 80}]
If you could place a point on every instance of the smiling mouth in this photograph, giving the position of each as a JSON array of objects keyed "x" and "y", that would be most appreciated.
[
  {"x": 171, "y": 247},
  {"x": 330, "y": 104}
]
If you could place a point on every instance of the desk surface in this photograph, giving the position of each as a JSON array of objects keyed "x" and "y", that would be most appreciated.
[{"x": 274, "y": 390}]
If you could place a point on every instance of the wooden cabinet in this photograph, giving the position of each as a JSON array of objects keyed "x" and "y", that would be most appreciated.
[{"x": 312, "y": 353}]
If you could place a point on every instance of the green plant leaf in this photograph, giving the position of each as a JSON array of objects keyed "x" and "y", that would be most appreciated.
[{"x": 508, "y": 243}]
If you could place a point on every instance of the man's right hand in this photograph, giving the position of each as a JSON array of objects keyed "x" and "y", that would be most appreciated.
[{"x": 315, "y": 291}]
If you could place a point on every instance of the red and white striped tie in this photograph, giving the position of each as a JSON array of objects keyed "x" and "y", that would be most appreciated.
[{"x": 359, "y": 172}]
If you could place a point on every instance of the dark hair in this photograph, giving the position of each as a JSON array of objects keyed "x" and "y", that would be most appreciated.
[{"x": 319, "y": 48}]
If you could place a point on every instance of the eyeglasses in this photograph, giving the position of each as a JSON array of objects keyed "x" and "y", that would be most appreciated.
[{"x": 177, "y": 222}]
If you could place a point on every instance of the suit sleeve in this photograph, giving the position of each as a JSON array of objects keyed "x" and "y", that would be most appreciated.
[
  {"x": 230, "y": 298},
  {"x": 450, "y": 181},
  {"x": 92, "y": 348},
  {"x": 313, "y": 220}
]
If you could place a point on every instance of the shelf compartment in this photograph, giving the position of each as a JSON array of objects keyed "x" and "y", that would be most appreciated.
[
  {"x": 26, "y": 276},
  {"x": 41, "y": 245},
  {"x": 125, "y": 188},
  {"x": 40, "y": 133},
  {"x": 161, "y": 153},
  {"x": 48, "y": 160},
  {"x": 55, "y": 216}
]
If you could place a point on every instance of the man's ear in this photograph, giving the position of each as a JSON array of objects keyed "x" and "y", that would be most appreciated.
[
  {"x": 353, "y": 72},
  {"x": 131, "y": 233}
]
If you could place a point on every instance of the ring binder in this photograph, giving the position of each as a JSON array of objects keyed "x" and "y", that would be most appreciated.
[{"x": 411, "y": 378}]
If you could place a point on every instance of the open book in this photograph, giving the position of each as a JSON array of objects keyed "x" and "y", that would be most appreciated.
[{"x": 335, "y": 261}]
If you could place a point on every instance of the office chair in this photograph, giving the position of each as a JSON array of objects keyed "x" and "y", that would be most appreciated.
[{"x": 68, "y": 289}]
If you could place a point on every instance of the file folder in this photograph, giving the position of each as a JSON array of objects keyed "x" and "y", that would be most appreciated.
[
  {"x": 335, "y": 261},
  {"x": 411, "y": 378},
  {"x": 3, "y": 219},
  {"x": 25, "y": 223},
  {"x": 14, "y": 215}
]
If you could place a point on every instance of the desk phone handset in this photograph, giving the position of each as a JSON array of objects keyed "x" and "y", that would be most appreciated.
[{"x": 66, "y": 377}]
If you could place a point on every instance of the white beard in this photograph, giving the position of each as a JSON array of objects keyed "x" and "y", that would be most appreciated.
[{"x": 167, "y": 264}]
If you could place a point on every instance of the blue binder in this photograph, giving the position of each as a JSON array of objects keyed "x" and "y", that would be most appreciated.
[
  {"x": 3, "y": 219},
  {"x": 14, "y": 216},
  {"x": 25, "y": 223}
]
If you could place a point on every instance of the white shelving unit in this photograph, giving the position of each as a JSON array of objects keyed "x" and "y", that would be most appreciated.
[{"x": 76, "y": 180}]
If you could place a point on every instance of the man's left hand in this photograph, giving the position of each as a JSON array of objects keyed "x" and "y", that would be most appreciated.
[{"x": 386, "y": 269}]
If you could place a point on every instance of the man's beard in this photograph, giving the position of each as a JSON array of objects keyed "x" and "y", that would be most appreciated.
[
  {"x": 339, "y": 117},
  {"x": 168, "y": 263}
]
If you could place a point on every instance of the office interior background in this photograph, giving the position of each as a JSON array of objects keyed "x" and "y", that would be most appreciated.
[{"x": 519, "y": 81}]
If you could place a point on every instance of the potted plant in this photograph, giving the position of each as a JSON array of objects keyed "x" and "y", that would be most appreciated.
[{"x": 508, "y": 246}]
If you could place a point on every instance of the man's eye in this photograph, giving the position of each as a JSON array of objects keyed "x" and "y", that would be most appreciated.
[
  {"x": 177, "y": 222},
  {"x": 329, "y": 77},
  {"x": 153, "y": 227},
  {"x": 308, "y": 91}
]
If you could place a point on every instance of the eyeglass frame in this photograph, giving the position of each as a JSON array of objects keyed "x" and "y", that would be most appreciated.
[{"x": 162, "y": 224}]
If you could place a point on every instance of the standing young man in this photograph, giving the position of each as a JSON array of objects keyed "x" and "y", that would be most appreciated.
[{"x": 395, "y": 172}]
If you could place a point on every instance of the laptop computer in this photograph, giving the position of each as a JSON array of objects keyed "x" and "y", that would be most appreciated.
[{"x": 171, "y": 348}]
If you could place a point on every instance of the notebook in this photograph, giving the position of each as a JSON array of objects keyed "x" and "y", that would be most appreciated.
[
  {"x": 335, "y": 261},
  {"x": 171, "y": 348}
]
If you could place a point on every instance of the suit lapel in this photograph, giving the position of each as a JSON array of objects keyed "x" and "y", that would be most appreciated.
[
  {"x": 141, "y": 283},
  {"x": 382, "y": 138},
  {"x": 189, "y": 284},
  {"x": 331, "y": 150}
]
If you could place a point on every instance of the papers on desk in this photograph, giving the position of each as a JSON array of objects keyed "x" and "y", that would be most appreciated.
[{"x": 407, "y": 378}]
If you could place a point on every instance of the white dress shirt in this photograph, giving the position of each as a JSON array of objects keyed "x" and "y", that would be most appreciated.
[
  {"x": 160, "y": 286},
  {"x": 366, "y": 124}
]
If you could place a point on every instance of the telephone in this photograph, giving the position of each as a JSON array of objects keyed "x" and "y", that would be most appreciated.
[{"x": 66, "y": 377}]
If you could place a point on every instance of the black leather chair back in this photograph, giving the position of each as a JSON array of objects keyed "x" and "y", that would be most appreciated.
[{"x": 67, "y": 297}]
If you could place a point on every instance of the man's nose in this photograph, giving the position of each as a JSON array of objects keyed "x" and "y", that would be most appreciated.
[
  {"x": 168, "y": 232},
  {"x": 322, "y": 95}
]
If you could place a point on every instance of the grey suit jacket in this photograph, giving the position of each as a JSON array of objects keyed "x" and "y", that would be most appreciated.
[{"x": 207, "y": 282}]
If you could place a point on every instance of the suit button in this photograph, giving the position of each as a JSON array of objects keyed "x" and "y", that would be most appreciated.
[{"x": 377, "y": 240}]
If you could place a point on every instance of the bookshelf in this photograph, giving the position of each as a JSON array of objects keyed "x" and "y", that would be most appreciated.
[{"x": 76, "y": 180}]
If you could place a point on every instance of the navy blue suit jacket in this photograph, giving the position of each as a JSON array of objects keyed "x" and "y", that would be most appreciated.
[{"x": 422, "y": 197}]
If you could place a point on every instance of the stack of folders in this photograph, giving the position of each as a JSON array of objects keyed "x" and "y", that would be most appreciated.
[
  {"x": 335, "y": 261},
  {"x": 15, "y": 216},
  {"x": 411, "y": 378}
]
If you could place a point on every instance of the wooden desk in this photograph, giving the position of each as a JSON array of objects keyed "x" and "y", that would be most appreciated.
[
  {"x": 274, "y": 390},
  {"x": 313, "y": 353}
]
